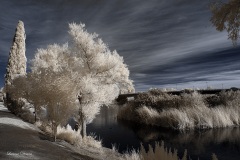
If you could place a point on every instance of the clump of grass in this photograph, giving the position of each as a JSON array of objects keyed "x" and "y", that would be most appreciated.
[
  {"x": 91, "y": 141},
  {"x": 201, "y": 117},
  {"x": 74, "y": 137},
  {"x": 160, "y": 152},
  {"x": 133, "y": 155},
  {"x": 68, "y": 135}
]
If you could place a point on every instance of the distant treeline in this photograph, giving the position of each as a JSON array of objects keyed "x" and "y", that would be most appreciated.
[{"x": 123, "y": 97}]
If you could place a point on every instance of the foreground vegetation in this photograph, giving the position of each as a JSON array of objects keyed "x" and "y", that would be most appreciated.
[
  {"x": 94, "y": 148},
  {"x": 187, "y": 111}
]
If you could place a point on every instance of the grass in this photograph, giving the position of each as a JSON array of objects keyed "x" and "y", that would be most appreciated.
[
  {"x": 187, "y": 111},
  {"x": 160, "y": 152},
  {"x": 71, "y": 136}
]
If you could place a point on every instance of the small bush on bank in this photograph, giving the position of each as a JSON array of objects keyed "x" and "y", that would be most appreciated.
[
  {"x": 74, "y": 137},
  {"x": 68, "y": 134},
  {"x": 230, "y": 98},
  {"x": 15, "y": 106},
  {"x": 21, "y": 108}
]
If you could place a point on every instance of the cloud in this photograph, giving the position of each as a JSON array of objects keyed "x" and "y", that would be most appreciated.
[
  {"x": 213, "y": 67},
  {"x": 163, "y": 42}
]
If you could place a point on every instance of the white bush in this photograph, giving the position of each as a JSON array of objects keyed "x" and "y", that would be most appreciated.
[{"x": 75, "y": 138}]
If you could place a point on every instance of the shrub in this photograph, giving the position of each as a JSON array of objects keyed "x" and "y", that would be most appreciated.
[
  {"x": 156, "y": 99},
  {"x": 68, "y": 135},
  {"x": 74, "y": 137},
  {"x": 230, "y": 98}
]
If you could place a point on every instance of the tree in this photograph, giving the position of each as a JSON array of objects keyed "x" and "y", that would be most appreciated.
[
  {"x": 14, "y": 93},
  {"x": 50, "y": 90},
  {"x": 30, "y": 88},
  {"x": 58, "y": 97},
  {"x": 226, "y": 16},
  {"x": 17, "y": 59},
  {"x": 99, "y": 75}
]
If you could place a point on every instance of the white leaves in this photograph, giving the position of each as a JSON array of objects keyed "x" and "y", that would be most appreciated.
[
  {"x": 98, "y": 73},
  {"x": 53, "y": 58}
]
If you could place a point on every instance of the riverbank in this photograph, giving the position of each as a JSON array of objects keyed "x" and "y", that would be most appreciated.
[
  {"x": 185, "y": 111},
  {"x": 22, "y": 140}
]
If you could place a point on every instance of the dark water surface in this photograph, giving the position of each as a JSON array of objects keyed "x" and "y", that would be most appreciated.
[{"x": 225, "y": 143}]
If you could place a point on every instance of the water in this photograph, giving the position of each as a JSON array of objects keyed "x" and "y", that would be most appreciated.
[{"x": 225, "y": 143}]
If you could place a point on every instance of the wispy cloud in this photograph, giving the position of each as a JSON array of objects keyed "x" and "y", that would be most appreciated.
[{"x": 163, "y": 42}]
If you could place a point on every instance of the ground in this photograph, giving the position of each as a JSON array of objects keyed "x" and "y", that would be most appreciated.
[{"x": 21, "y": 140}]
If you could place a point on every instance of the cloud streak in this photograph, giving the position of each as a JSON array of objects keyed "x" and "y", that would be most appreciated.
[{"x": 163, "y": 42}]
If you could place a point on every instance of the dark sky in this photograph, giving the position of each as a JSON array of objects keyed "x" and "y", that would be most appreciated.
[{"x": 165, "y": 43}]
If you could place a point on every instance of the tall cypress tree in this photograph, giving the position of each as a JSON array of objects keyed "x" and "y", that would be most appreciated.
[
  {"x": 17, "y": 58},
  {"x": 16, "y": 61}
]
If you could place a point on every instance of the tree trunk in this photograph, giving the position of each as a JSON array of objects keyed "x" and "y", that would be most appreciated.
[
  {"x": 35, "y": 112},
  {"x": 54, "y": 131},
  {"x": 84, "y": 128},
  {"x": 7, "y": 100},
  {"x": 82, "y": 121},
  {"x": 55, "y": 136}
]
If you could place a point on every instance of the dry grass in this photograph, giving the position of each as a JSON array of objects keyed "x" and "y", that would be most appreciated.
[
  {"x": 74, "y": 137},
  {"x": 201, "y": 117},
  {"x": 91, "y": 141},
  {"x": 44, "y": 126},
  {"x": 68, "y": 135},
  {"x": 188, "y": 111},
  {"x": 133, "y": 155},
  {"x": 159, "y": 153}
]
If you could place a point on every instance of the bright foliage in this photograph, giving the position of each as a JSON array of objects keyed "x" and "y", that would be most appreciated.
[{"x": 98, "y": 74}]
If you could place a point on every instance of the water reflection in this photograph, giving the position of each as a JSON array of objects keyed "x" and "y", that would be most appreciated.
[
  {"x": 199, "y": 143},
  {"x": 199, "y": 140}
]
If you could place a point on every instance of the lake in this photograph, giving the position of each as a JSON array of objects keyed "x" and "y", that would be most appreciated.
[{"x": 225, "y": 143}]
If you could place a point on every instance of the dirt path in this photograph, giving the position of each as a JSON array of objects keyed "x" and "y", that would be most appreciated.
[{"x": 21, "y": 140}]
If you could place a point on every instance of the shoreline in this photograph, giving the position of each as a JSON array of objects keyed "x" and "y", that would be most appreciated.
[{"x": 30, "y": 134}]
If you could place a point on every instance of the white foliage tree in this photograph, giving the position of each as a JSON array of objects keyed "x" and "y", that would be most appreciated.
[
  {"x": 30, "y": 87},
  {"x": 17, "y": 59},
  {"x": 58, "y": 97},
  {"x": 99, "y": 74},
  {"x": 54, "y": 91}
]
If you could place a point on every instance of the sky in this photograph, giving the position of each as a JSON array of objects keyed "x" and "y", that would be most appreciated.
[{"x": 165, "y": 43}]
